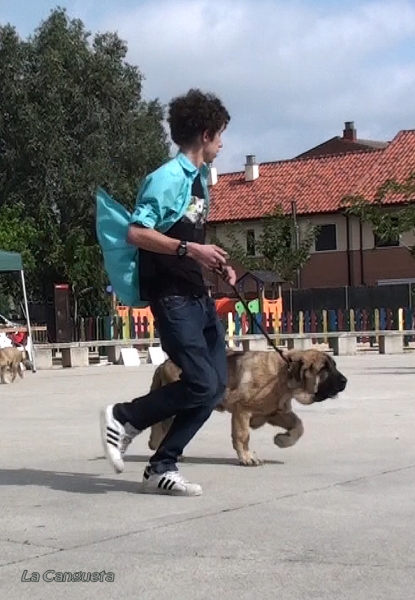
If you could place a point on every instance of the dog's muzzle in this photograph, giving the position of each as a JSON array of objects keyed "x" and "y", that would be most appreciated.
[{"x": 331, "y": 387}]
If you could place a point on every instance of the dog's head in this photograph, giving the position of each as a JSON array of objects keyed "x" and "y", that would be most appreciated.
[{"x": 314, "y": 376}]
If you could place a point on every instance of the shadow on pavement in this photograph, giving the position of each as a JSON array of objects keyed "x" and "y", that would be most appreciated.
[
  {"x": 78, "y": 483},
  {"x": 201, "y": 460},
  {"x": 86, "y": 483},
  {"x": 191, "y": 460}
]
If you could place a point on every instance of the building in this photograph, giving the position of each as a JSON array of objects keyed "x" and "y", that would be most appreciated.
[
  {"x": 348, "y": 142},
  {"x": 346, "y": 252}
]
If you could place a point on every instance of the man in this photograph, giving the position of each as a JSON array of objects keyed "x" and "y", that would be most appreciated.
[{"x": 171, "y": 280}]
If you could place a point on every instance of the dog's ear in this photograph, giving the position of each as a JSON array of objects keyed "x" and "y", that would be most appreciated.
[{"x": 295, "y": 370}]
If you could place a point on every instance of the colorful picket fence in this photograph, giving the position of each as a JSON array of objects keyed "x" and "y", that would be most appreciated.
[
  {"x": 307, "y": 322},
  {"x": 110, "y": 328}
]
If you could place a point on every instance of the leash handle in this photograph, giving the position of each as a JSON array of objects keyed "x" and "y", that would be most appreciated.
[{"x": 221, "y": 272}]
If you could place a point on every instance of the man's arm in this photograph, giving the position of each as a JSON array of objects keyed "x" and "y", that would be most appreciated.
[
  {"x": 154, "y": 241},
  {"x": 149, "y": 211},
  {"x": 151, "y": 240},
  {"x": 152, "y": 202}
]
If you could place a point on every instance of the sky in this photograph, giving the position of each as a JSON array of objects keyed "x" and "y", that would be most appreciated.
[{"x": 289, "y": 72}]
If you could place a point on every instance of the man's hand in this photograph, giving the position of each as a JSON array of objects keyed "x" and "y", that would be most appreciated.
[
  {"x": 208, "y": 255},
  {"x": 228, "y": 274}
]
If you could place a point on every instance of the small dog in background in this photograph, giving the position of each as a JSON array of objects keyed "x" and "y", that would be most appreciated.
[{"x": 14, "y": 360}]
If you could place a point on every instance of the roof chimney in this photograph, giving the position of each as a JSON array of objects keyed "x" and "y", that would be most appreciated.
[
  {"x": 251, "y": 168},
  {"x": 213, "y": 175},
  {"x": 349, "y": 132}
]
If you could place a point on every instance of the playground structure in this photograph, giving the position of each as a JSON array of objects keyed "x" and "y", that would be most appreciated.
[{"x": 230, "y": 311}]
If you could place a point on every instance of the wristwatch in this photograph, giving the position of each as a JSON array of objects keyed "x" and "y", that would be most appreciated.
[{"x": 182, "y": 249}]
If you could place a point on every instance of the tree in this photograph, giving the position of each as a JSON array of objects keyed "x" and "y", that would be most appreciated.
[
  {"x": 72, "y": 118},
  {"x": 17, "y": 234},
  {"x": 276, "y": 249},
  {"x": 386, "y": 224}
]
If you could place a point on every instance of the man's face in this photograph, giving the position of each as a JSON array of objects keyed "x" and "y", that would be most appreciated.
[{"x": 211, "y": 146}]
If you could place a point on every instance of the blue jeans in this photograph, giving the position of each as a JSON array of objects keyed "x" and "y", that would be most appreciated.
[{"x": 194, "y": 339}]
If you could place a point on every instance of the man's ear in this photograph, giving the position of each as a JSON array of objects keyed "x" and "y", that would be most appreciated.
[
  {"x": 206, "y": 136},
  {"x": 295, "y": 370}
]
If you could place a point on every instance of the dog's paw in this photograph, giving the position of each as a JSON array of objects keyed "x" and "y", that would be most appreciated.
[
  {"x": 250, "y": 459},
  {"x": 283, "y": 440}
]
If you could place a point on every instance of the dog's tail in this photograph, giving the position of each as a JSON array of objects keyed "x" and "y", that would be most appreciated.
[{"x": 157, "y": 381}]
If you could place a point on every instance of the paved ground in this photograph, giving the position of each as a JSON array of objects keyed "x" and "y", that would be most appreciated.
[{"x": 332, "y": 518}]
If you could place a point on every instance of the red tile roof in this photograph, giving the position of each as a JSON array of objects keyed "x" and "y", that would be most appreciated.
[{"x": 317, "y": 184}]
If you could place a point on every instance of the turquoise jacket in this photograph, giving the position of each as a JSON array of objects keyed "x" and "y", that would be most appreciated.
[{"x": 161, "y": 201}]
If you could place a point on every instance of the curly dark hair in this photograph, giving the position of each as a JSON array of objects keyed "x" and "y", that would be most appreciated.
[{"x": 193, "y": 113}]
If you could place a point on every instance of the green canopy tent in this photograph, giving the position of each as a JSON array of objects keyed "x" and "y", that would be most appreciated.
[{"x": 11, "y": 262}]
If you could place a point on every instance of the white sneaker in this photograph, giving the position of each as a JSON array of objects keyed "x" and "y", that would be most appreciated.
[
  {"x": 171, "y": 483},
  {"x": 115, "y": 438}
]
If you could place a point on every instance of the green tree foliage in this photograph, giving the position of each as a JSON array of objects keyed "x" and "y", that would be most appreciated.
[
  {"x": 72, "y": 117},
  {"x": 17, "y": 234},
  {"x": 387, "y": 224},
  {"x": 276, "y": 249}
]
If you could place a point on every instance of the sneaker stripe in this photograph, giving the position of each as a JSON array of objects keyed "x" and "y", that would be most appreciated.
[
  {"x": 112, "y": 430},
  {"x": 112, "y": 433},
  {"x": 164, "y": 482},
  {"x": 112, "y": 437},
  {"x": 171, "y": 485},
  {"x": 112, "y": 443}
]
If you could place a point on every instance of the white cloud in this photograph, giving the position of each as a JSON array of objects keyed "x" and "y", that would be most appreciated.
[{"x": 290, "y": 73}]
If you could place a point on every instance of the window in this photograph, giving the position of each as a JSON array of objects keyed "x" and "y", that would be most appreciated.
[
  {"x": 250, "y": 242},
  {"x": 326, "y": 238},
  {"x": 390, "y": 242}
]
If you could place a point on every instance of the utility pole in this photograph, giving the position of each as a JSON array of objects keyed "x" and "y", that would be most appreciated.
[{"x": 296, "y": 236}]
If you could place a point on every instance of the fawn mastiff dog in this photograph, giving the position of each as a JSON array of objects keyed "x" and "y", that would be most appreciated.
[
  {"x": 11, "y": 358},
  {"x": 261, "y": 386}
]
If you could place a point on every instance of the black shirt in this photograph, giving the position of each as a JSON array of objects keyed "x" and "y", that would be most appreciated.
[{"x": 164, "y": 274}]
